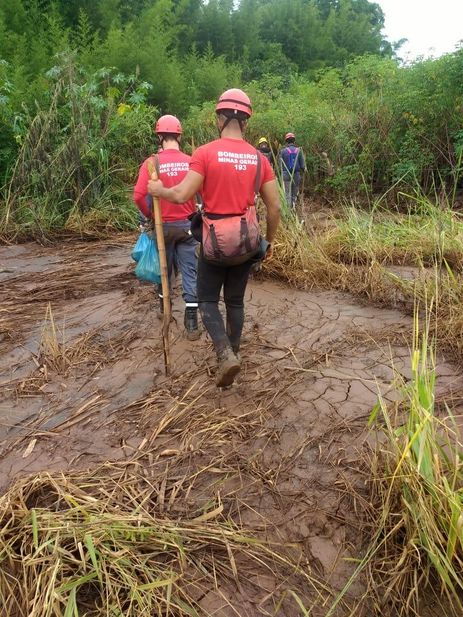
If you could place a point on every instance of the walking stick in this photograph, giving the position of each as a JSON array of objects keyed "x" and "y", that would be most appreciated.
[
  {"x": 301, "y": 194},
  {"x": 301, "y": 200},
  {"x": 164, "y": 273}
]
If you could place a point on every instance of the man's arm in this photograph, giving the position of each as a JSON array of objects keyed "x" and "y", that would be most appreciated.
[
  {"x": 179, "y": 193},
  {"x": 271, "y": 197}
]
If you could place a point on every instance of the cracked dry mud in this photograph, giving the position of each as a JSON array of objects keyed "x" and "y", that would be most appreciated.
[{"x": 313, "y": 363}]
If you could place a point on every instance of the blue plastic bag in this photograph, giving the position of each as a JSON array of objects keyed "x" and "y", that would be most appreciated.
[
  {"x": 140, "y": 246},
  {"x": 148, "y": 267}
]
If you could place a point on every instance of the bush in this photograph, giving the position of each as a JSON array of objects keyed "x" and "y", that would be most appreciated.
[{"x": 78, "y": 153}]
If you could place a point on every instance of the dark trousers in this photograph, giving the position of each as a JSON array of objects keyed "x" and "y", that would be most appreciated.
[{"x": 233, "y": 279}]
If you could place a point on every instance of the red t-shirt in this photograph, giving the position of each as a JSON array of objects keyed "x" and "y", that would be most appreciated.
[
  {"x": 229, "y": 167},
  {"x": 173, "y": 167}
]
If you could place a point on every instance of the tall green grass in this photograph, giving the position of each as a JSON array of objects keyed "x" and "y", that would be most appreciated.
[
  {"x": 414, "y": 238},
  {"x": 416, "y": 550},
  {"x": 419, "y": 488}
]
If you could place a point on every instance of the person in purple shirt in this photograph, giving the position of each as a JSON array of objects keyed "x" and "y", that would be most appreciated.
[{"x": 292, "y": 165}]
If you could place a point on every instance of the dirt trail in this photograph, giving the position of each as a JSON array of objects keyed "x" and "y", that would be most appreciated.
[{"x": 288, "y": 435}]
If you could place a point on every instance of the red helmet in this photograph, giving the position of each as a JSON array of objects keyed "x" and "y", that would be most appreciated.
[
  {"x": 235, "y": 99},
  {"x": 290, "y": 136},
  {"x": 168, "y": 124}
]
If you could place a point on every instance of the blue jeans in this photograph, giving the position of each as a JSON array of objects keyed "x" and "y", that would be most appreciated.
[{"x": 180, "y": 252}]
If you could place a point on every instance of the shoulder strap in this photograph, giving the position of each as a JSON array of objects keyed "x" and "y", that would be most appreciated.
[{"x": 258, "y": 175}]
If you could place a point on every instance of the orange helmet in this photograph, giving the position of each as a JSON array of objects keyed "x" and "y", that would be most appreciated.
[
  {"x": 168, "y": 124},
  {"x": 236, "y": 100},
  {"x": 290, "y": 136}
]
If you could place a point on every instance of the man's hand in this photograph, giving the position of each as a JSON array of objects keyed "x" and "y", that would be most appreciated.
[
  {"x": 155, "y": 188},
  {"x": 268, "y": 253}
]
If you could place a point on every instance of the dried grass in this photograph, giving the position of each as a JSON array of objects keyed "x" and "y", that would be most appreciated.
[
  {"x": 306, "y": 262},
  {"x": 112, "y": 542},
  {"x": 24, "y": 298},
  {"x": 91, "y": 348}
]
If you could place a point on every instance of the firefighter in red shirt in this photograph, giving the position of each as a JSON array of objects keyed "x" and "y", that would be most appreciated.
[
  {"x": 229, "y": 172},
  {"x": 172, "y": 166}
]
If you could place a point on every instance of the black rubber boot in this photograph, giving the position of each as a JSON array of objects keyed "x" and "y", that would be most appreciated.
[
  {"x": 235, "y": 341},
  {"x": 191, "y": 323},
  {"x": 229, "y": 366}
]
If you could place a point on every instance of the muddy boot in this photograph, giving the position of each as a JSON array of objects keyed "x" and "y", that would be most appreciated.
[
  {"x": 229, "y": 366},
  {"x": 191, "y": 323},
  {"x": 235, "y": 345},
  {"x": 236, "y": 351}
]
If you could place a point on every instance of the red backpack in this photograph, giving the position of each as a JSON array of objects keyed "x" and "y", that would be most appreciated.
[{"x": 232, "y": 239}]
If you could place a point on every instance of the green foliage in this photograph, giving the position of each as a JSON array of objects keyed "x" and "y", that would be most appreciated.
[
  {"x": 79, "y": 151},
  {"x": 10, "y": 123},
  {"x": 319, "y": 68}
]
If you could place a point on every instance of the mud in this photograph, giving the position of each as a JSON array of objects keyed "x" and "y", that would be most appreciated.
[{"x": 82, "y": 382}]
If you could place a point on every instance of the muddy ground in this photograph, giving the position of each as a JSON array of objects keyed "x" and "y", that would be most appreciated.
[{"x": 82, "y": 382}]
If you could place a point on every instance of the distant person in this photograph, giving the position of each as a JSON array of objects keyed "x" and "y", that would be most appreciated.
[
  {"x": 229, "y": 172},
  {"x": 292, "y": 164},
  {"x": 265, "y": 150},
  {"x": 328, "y": 166},
  {"x": 172, "y": 166}
]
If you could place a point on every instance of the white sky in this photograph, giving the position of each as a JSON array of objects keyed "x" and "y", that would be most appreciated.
[{"x": 432, "y": 27}]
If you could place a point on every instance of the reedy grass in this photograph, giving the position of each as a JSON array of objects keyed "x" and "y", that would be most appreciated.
[
  {"x": 393, "y": 238},
  {"x": 68, "y": 174},
  {"x": 418, "y": 490},
  {"x": 416, "y": 550}
]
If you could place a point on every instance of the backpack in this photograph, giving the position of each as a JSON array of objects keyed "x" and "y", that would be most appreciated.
[
  {"x": 229, "y": 240},
  {"x": 293, "y": 152}
]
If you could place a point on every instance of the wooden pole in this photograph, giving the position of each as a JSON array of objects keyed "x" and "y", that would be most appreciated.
[
  {"x": 301, "y": 199},
  {"x": 301, "y": 193},
  {"x": 157, "y": 217}
]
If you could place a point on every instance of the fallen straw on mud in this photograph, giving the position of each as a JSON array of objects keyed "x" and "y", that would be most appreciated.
[{"x": 97, "y": 544}]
